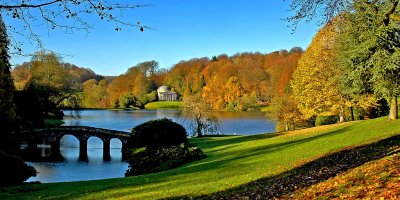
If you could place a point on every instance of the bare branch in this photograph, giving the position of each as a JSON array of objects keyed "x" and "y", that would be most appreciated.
[
  {"x": 23, "y": 5},
  {"x": 29, "y": 17}
]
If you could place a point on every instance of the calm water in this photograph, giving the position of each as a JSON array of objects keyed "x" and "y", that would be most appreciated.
[{"x": 71, "y": 169}]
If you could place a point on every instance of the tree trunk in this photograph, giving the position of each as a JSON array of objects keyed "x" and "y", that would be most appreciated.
[
  {"x": 393, "y": 109},
  {"x": 341, "y": 117},
  {"x": 352, "y": 113},
  {"x": 199, "y": 127},
  {"x": 286, "y": 126}
]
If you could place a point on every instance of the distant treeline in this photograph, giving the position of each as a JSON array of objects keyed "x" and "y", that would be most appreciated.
[{"x": 235, "y": 82}]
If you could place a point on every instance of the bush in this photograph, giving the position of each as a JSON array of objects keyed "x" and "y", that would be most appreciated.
[
  {"x": 325, "y": 120},
  {"x": 162, "y": 158},
  {"x": 13, "y": 170},
  {"x": 156, "y": 133}
]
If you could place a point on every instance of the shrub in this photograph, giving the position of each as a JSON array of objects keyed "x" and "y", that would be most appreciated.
[
  {"x": 325, "y": 120},
  {"x": 13, "y": 170},
  {"x": 156, "y": 133},
  {"x": 162, "y": 158}
]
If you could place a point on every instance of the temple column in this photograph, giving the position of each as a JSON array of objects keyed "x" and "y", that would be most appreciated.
[{"x": 106, "y": 149}]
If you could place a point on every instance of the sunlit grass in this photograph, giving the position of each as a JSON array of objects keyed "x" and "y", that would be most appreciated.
[
  {"x": 164, "y": 105},
  {"x": 231, "y": 161}
]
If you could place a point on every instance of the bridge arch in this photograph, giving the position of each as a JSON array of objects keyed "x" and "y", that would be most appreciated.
[{"x": 82, "y": 133}]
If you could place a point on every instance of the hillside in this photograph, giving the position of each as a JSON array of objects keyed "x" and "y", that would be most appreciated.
[
  {"x": 376, "y": 180},
  {"x": 232, "y": 165}
]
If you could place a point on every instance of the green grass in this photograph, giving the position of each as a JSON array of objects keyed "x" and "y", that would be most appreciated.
[
  {"x": 232, "y": 161},
  {"x": 164, "y": 105},
  {"x": 268, "y": 108}
]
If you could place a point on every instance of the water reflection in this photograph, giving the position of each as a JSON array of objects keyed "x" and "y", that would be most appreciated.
[
  {"x": 124, "y": 120},
  {"x": 71, "y": 169}
]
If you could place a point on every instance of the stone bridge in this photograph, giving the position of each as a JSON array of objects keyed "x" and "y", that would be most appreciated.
[{"x": 82, "y": 133}]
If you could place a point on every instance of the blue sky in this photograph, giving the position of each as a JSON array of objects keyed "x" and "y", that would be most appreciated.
[{"x": 186, "y": 29}]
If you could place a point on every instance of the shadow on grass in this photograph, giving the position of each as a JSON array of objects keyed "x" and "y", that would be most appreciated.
[
  {"x": 226, "y": 158},
  {"x": 211, "y": 141},
  {"x": 309, "y": 173}
]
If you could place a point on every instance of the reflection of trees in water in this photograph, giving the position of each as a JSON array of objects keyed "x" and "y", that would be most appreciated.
[{"x": 231, "y": 122}]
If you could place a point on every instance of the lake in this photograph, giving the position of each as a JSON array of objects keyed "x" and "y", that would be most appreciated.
[{"x": 71, "y": 169}]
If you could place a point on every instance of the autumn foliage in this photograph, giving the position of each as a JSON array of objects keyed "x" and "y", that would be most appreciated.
[
  {"x": 376, "y": 180},
  {"x": 235, "y": 82}
]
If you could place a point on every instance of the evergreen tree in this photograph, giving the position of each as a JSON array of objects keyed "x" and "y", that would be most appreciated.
[
  {"x": 369, "y": 50},
  {"x": 7, "y": 107}
]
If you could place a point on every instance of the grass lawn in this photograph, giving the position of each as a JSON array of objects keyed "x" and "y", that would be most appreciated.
[
  {"x": 164, "y": 105},
  {"x": 232, "y": 161}
]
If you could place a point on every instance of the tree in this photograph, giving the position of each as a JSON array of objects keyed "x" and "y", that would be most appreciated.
[
  {"x": 68, "y": 15},
  {"x": 53, "y": 84},
  {"x": 7, "y": 107},
  {"x": 310, "y": 9},
  {"x": 95, "y": 94},
  {"x": 213, "y": 95},
  {"x": 135, "y": 87},
  {"x": 328, "y": 9},
  {"x": 187, "y": 75},
  {"x": 21, "y": 75},
  {"x": 203, "y": 120},
  {"x": 373, "y": 25},
  {"x": 47, "y": 71},
  {"x": 316, "y": 84},
  {"x": 158, "y": 133},
  {"x": 286, "y": 113},
  {"x": 369, "y": 49},
  {"x": 234, "y": 91}
]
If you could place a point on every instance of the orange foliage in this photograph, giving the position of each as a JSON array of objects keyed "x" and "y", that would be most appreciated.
[
  {"x": 268, "y": 75},
  {"x": 376, "y": 180}
]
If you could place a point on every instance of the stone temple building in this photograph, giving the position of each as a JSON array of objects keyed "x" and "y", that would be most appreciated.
[{"x": 165, "y": 95}]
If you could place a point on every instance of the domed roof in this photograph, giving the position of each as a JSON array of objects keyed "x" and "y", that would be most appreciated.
[{"x": 162, "y": 89}]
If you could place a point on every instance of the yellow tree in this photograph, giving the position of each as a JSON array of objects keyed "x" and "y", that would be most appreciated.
[
  {"x": 21, "y": 75},
  {"x": 212, "y": 93},
  {"x": 233, "y": 92},
  {"x": 316, "y": 84}
]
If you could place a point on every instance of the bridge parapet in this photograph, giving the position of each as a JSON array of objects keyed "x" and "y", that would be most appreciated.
[{"x": 82, "y": 133}]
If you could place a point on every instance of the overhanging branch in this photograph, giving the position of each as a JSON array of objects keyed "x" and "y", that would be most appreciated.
[{"x": 23, "y": 5}]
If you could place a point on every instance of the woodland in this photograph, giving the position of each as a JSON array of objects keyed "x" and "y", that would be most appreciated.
[
  {"x": 350, "y": 71},
  {"x": 246, "y": 79}
]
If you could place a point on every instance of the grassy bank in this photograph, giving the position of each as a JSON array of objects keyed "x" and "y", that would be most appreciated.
[
  {"x": 232, "y": 161},
  {"x": 164, "y": 105},
  {"x": 378, "y": 179}
]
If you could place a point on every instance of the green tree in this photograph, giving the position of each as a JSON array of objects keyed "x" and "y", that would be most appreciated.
[
  {"x": 47, "y": 71},
  {"x": 54, "y": 86},
  {"x": 95, "y": 94},
  {"x": 328, "y": 9},
  {"x": 7, "y": 107},
  {"x": 369, "y": 50}
]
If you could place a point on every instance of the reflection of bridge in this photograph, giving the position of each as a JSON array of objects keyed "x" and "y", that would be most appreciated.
[{"x": 82, "y": 133}]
